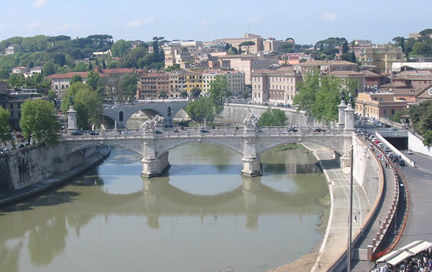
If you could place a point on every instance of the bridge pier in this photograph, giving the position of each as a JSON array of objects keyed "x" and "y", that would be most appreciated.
[
  {"x": 153, "y": 167},
  {"x": 251, "y": 167}
]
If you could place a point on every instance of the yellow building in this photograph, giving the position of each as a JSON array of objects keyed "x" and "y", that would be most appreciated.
[
  {"x": 193, "y": 80},
  {"x": 378, "y": 105}
]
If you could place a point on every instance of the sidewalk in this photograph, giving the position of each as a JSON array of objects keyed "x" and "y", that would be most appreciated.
[
  {"x": 336, "y": 237},
  {"x": 55, "y": 179}
]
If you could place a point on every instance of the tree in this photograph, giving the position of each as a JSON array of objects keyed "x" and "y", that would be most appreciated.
[
  {"x": 345, "y": 47},
  {"x": 422, "y": 48},
  {"x": 425, "y": 33},
  {"x": 75, "y": 78},
  {"x": 4, "y": 74},
  {"x": 184, "y": 94},
  {"x": 163, "y": 94},
  {"x": 80, "y": 67},
  {"x": 201, "y": 109},
  {"x": 119, "y": 48},
  {"x": 307, "y": 91},
  {"x": 272, "y": 117},
  {"x": 195, "y": 92},
  {"x": 39, "y": 121},
  {"x": 427, "y": 138},
  {"x": 86, "y": 103},
  {"x": 5, "y": 131},
  {"x": 219, "y": 91},
  {"x": 48, "y": 69},
  {"x": 127, "y": 88},
  {"x": 93, "y": 80}
]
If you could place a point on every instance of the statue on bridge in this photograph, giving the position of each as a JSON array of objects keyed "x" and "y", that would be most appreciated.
[
  {"x": 151, "y": 124},
  {"x": 251, "y": 121}
]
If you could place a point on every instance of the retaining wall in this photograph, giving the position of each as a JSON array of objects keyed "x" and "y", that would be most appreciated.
[{"x": 26, "y": 166}]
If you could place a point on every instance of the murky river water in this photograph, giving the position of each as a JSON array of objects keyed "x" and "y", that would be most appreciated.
[{"x": 202, "y": 216}]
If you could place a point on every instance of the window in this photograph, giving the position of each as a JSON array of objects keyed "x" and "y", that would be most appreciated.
[{"x": 392, "y": 111}]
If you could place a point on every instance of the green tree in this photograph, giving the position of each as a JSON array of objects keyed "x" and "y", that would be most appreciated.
[
  {"x": 119, "y": 48},
  {"x": 127, "y": 88},
  {"x": 5, "y": 131},
  {"x": 247, "y": 44},
  {"x": 201, "y": 109},
  {"x": 308, "y": 90},
  {"x": 39, "y": 121},
  {"x": 195, "y": 92},
  {"x": 75, "y": 78},
  {"x": 184, "y": 94},
  {"x": 427, "y": 138},
  {"x": 272, "y": 117},
  {"x": 48, "y": 69},
  {"x": 421, "y": 116},
  {"x": 16, "y": 80},
  {"x": 345, "y": 47},
  {"x": 80, "y": 67},
  {"x": 4, "y": 74},
  {"x": 93, "y": 80},
  {"x": 422, "y": 48},
  {"x": 86, "y": 103},
  {"x": 163, "y": 94},
  {"x": 218, "y": 92}
]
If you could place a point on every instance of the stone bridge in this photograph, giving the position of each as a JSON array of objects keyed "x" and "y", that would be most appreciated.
[
  {"x": 153, "y": 143},
  {"x": 120, "y": 114}
]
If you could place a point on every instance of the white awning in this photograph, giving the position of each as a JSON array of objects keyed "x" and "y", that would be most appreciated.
[
  {"x": 400, "y": 257},
  {"x": 420, "y": 247}
]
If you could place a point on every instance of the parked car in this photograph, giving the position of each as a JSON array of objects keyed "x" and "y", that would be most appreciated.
[
  {"x": 158, "y": 132},
  {"x": 319, "y": 130},
  {"x": 76, "y": 133},
  {"x": 409, "y": 152},
  {"x": 204, "y": 131},
  {"x": 401, "y": 163},
  {"x": 386, "y": 149},
  {"x": 292, "y": 129},
  {"x": 93, "y": 132}
]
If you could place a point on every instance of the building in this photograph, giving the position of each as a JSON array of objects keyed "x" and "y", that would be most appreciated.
[
  {"x": 295, "y": 58},
  {"x": 20, "y": 70},
  {"x": 193, "y": 80},
  {"x": 373, "y": 81},
  {"x": 61, "y": 82},
  {"x": 358, "y": 77},
  {"x": 153, "y": 85},
  {"x": 177, "y": 84},
  {"x": 403, "y": 66},
  {"x": 272, "y": 45},
  {"x": 247, "y": 63},
  {"x": 235, "y": 80},
  {"x": 175, "y": 54},
  {"x": 11, "y": 49},
  {"x": 12, "y": 100},
  {"x": 381, "y": 57},
  {"x": 247, "y": 37},
  {"x": 325, "y": 66},
  {"x": 275, "y": 86},
  {"x": 378, "y": 105}
]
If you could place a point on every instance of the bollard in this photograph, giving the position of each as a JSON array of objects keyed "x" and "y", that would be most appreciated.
[
  {"x": 381, "y": 231},
  {"x": 378, "y": 236},
  {"x": 369, "y": 252},
  {"x": 374, "y": 242}
]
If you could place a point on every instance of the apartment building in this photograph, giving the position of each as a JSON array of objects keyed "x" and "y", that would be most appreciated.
[
  {"x": 378, "y": 105},
  {"x": 152, "y": 85},
  {"x": 177, "y": 84},
  {"x": 325, "y": 66},
  {"x": 358, "y": 77},
  {"x": 381, "y": 57},
  {"x": 275, "y": 86},
  {"x": 175, "y": 54},
  {"x": 247, "y": 37},
  {"x": 272, "y": 45},
  {"x": 193, "y": 80},
  {"x": 247, "y": 63},
  {"x": 235, "y": 80}
]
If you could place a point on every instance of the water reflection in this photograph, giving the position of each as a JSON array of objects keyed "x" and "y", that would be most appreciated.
[{"x": 47, "y": 225}]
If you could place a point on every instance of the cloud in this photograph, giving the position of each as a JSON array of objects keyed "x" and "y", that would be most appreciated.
[
  {"x": 204, "y": 22},
  {"x": 137, "y": 23},
  {"x": 40, "y": 3},
  {"x": 329, "y": 16}
]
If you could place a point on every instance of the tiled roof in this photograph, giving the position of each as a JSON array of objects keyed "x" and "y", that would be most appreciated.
[
  {"x": 325, "y": 62},
  {"x": 69, "y": 75}
]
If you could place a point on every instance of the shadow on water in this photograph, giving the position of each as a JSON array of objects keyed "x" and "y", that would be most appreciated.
[{"x": 48, "y": 199}]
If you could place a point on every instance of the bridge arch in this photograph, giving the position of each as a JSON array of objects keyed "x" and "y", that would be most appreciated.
[
  {"x": 235, "y": 146},
  {"x": 78, "y": 146}
]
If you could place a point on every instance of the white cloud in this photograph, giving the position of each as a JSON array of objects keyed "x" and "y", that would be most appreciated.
[
  {"x": 329, "y": 16},
  {"x": 40, "y": 3},
  {"x": 137, "y": 23}
]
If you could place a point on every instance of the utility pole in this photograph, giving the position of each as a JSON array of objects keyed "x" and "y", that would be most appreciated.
[{"x": 350, "y": 212}]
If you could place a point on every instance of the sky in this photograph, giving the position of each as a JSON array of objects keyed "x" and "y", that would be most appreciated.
[{"x": 307, "y": 21}]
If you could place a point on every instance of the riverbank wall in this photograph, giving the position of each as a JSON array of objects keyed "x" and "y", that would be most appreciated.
[
  {"x": 29, "y": 165},
  {"x": 236, "y": 113}
]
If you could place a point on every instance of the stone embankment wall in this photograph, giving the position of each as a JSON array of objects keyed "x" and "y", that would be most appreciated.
[
  {"x": 415, "y": 143},
  {"x": 366, "y": 170},
  {"x": 237, "y": 112},
  {"x": 29, "y": 165}
]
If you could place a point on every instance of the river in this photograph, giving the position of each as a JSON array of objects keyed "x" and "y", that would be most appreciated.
[{"x": 201, "y": 216}]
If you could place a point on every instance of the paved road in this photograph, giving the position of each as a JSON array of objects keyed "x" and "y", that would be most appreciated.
[{"x": 420, "y": 189}]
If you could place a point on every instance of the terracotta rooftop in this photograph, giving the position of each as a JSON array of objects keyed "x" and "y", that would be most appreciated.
[
  {"x": 326, "y": 62},
  {"x": 69, "y": 75}
]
